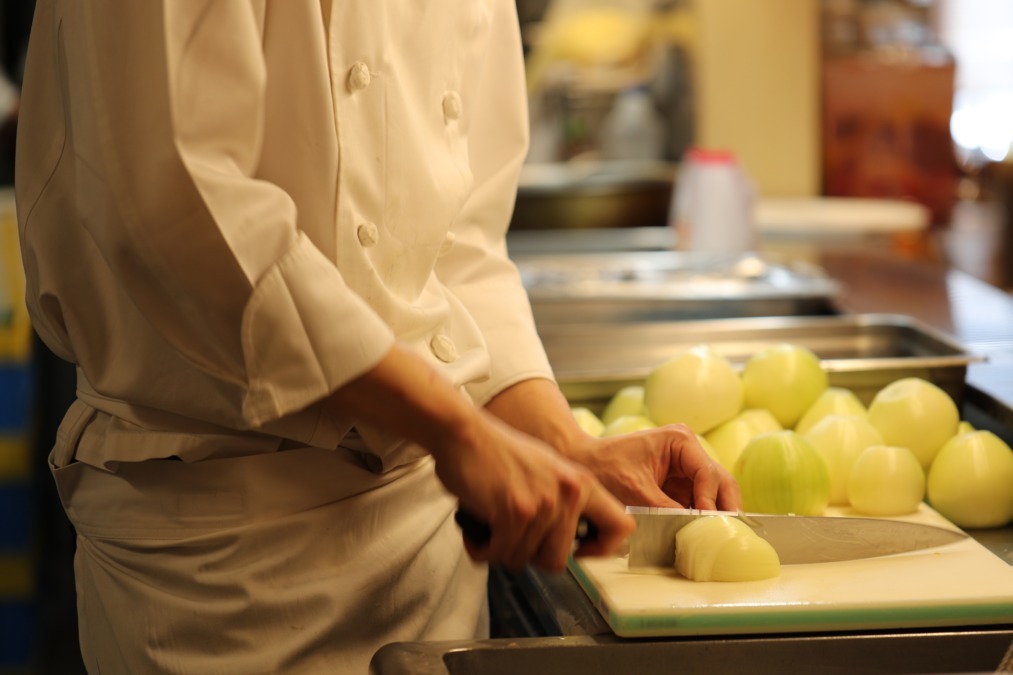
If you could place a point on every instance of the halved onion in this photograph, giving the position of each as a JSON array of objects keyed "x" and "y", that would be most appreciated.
[
  {"x": 723, "y": 548},
  {"x": 781, "y": 472}
]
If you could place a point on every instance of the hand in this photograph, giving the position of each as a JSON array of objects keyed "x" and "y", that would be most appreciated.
[
  {"x": 665, "y": 466},
  {"x": 530, "y": 496}
]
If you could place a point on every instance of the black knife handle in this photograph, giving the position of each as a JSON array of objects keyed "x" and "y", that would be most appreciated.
[{"x": 478, "y": 533}]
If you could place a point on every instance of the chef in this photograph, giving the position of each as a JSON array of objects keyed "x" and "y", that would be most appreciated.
[{"x": 270, "y": 235}]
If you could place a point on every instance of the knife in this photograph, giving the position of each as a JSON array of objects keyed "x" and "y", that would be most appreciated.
[{"x": 797, "y": 539}]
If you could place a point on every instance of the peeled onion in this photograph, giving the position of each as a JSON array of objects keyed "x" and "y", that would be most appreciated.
[
  {"x": 781, "y": 472},
  {"x": 723, "y": 548},
  {"x": 698, "y": 387},
  {"x": 833, "y": 401},
  {"x": 916, "y": 414},
  {"x": 785, "y": 379},
  {"x": 627, "y": 424},
  {"x": 627, "y": 401},
  {"x": 840, "y": 439},
  {"x": 588, "y": 421},
  {"x": 886, "y": 481},
  {"x": 971, "y": 480},
  {"x": 729, "y": 438}
]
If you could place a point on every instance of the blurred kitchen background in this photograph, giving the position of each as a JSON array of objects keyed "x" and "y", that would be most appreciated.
[{"x": 875, "y": 123}]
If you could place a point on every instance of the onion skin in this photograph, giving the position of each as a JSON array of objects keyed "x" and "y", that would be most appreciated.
[
  {"x": 723, "y": 548},
  {"x": 783, "y": 473},
  {"x": 971, "y": 481}
]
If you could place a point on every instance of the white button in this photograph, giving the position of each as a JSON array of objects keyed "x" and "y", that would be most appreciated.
[
  {"x": 358, "y": 76},
  {"x": 367, "y": 234},
  {"x": 443, "y": 348},
  {"x": 448, "y": 242},
  {"x": 451, "y": 106}
]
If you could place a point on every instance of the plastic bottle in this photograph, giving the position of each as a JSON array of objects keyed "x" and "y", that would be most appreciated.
[{"x": 712, "y": 204}]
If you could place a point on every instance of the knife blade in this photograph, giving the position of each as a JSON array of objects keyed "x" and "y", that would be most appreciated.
[{"x": 797, "y": 539}]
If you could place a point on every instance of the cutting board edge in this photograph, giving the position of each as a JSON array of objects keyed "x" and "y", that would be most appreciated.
[{"x": 806, "y": 620}]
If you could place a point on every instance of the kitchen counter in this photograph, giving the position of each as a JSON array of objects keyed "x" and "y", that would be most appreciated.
[
  {"x": 878, "y": 280},
  {"x": 546, "y": 623}
]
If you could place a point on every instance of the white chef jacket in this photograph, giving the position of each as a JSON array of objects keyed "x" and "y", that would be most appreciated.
[{"x": 228, "y": 209}]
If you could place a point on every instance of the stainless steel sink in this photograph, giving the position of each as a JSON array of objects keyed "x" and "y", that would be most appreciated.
[{"x": 944, "y": 652}]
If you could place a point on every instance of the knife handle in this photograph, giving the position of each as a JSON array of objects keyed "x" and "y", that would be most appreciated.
[{"x": 478, "y": 533}]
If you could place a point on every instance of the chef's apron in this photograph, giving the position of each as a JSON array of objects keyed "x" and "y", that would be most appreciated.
[{"x": 301, "y": 560}]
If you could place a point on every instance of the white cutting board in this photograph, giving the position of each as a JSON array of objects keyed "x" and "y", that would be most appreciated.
[{"x": 960, "y": 584}]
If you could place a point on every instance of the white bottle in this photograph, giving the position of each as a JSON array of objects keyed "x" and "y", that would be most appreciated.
[
  {"x": 712, "y": 204},
  {"x": 632, "y": 130}
]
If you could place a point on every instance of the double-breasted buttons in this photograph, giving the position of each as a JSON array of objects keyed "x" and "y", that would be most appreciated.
[
  {"x": 358, "y": 76},
  {"x": 448, "y": 242},
  {"x": 443, "y": 348},
  {"x": 367, "y": 234},
  {"x": 451, "y": 106}
]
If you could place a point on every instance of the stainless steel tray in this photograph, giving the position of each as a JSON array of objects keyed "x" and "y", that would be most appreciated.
[
  {"x": 659, "y": 285},
  {"x": 862, "y": 352}
]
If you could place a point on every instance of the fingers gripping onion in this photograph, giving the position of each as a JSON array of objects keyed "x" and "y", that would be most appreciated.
[
  {"x": 723, "y": 548},
  {"x": 782, "y": 472}
]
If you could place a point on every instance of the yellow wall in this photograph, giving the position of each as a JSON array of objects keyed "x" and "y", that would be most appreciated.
[{"x": 757, "y": 88}]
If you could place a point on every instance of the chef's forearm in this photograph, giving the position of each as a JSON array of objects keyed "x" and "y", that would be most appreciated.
[
  {"x": 538, "y": 408},
  {"x": 406, "y": 395}
]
